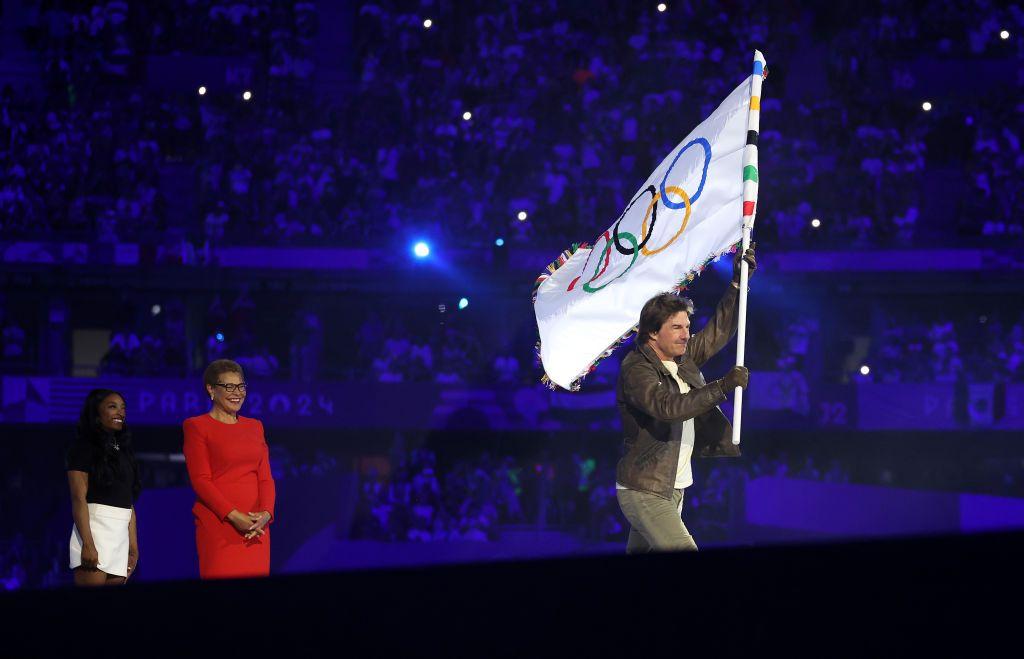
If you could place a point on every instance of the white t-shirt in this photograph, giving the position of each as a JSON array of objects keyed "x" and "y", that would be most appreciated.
[{"x": 684, "y": 474}]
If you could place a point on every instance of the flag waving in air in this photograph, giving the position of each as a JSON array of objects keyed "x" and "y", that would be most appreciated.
[{"x": 691, "y": 210}]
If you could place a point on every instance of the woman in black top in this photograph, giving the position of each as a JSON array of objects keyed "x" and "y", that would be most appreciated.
[{"x": 104, "y": 481}]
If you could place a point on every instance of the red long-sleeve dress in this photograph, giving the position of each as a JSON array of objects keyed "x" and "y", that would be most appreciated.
[{"x": 229, "y": 466}]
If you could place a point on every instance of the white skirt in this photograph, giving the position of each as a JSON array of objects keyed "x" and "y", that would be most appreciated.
[{"x": 109, "y": 526}]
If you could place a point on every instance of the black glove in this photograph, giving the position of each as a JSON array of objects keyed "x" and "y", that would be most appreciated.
[
  {"x": 738, "y": 376},
  {"x": 748, "y": 256}
]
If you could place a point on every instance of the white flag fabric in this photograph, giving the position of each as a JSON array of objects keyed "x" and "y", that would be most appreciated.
[{"x": 688, "y": 212}]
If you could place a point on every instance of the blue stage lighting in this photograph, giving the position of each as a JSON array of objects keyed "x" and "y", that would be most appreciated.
[
  {"x": 219, "y": 336},
  {"x": 421, "y": 250},
  {"x": 500, "y": 242},
  {"x": 463, "y": 303}
]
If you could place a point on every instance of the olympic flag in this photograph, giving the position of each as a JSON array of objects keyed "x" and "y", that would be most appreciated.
[{"x": 697, "y": 205}]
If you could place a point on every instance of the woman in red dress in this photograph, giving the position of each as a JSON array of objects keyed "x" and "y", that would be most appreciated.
[{"x": 229, "y": 466}]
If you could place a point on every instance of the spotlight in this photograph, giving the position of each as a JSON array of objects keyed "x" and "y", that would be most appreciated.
[
  {"x": 662, "y": 7},
  {"x": 864, "y": 370},
  {"x": 982, "y": 319},
  {"x": 522, "y": 216},
  {"x": 421, "y": 250},
  {"x": 463, "y": 303},
  {"x": 219, "y": 336},
  {"x": 815, "y": 223},
  {"x": 441, "y": 308},
  {"x": 155, "y": 310},
  {"x": 246, "y": 95},
  {"x": 500, "y": 242},
  {"x": 467, "y": 115},
  {"x": 202, "y": 90},
  {"x": 1004, "y": 35},
  {"x": 427, "y": 23},
  {"x": 926, "y": 106}
]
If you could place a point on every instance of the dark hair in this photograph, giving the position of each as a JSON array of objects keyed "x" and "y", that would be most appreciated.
[
  {"x": 105, "y": 456},
  {"x": 659, "y": 309},
  {"x": 219, "y": 367}
]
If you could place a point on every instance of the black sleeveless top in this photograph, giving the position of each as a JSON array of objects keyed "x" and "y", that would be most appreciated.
[{"x": 120, "y": 492}]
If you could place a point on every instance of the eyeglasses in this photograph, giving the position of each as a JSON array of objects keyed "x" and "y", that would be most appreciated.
[{"x": 231, "y": 388}]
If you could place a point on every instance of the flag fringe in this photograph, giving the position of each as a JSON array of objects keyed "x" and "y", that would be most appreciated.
[
  {"x": 556, "y": 264},
  {"x": 684, "y": 283}
]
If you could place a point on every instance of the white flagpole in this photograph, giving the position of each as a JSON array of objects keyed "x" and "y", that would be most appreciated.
[{"x": 750, "y": 181}]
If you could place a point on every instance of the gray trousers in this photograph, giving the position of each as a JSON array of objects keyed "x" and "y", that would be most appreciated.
[{"x": 655, "y": 523}]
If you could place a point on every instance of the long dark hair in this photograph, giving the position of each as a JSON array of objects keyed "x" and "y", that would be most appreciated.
[{"x": 105, "y": 457}]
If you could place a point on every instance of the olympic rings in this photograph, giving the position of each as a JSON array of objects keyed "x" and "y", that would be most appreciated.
[
  {"x": 652, "y": 209},
  {"x": 703, "y": 177},
  {"x": 660, "y": 193}
]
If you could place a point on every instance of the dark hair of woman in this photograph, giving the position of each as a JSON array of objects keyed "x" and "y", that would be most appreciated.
[
  {"x": 218, "y": 367},
  {"x": 106, "y": 443}
]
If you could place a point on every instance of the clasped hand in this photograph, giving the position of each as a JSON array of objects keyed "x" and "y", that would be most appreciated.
[{"x": 249, "y": 524}]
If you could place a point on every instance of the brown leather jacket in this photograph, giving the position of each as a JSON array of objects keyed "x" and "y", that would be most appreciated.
[{"x": 649, "y": 401}]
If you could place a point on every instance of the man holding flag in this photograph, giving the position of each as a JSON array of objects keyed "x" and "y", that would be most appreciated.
[
  {"x": 697, "y": 205},
  {"x": 669, "y": 413}
]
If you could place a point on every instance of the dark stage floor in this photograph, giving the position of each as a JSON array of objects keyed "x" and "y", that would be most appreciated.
[{"x": 946, "y": 596}]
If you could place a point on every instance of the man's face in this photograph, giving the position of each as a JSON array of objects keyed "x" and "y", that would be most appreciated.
[{"x": 670, "y": 341}]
